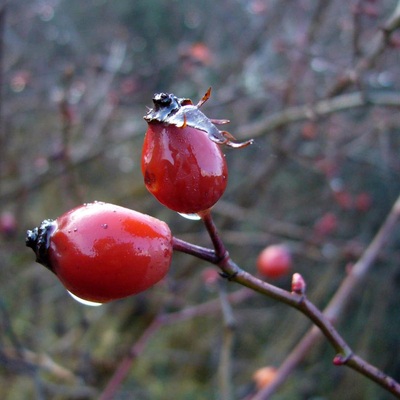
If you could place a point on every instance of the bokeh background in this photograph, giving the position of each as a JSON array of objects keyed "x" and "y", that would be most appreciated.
[{"x": 316, "y": 84}]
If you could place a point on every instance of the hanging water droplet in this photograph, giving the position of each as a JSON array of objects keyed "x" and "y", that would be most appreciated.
[
  {"x": 105, "y": 226},
  {"x": 85, "y": 302},
  {"x": 194, "y": 217}
]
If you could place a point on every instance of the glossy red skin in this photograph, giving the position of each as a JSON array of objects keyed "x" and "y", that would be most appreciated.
[
  {"x": 183, "y": 168},
  {"x": 102, "y": 252},
  {"x": 274, "y": 261}
]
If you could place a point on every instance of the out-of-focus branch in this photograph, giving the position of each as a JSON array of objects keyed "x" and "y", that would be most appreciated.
[
  {"x": 321, "y": 10},
  {"x": 207, "y": 308},
  {"x": 2, "y": 133},
  {"x": 225, "y": 359},
  {"x": 27, "y": 360},
  {"x": 375, "y": 48}
]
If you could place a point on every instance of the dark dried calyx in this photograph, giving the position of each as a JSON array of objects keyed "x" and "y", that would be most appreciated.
[
  {"x": 162, "y": 100},
  {"x": 38, "y": 239},
  {"x": 165, "y": 105}
]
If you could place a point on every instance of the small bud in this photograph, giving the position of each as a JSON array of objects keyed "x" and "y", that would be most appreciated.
[
  {"x": 339, "y": 359},
  {"x": 298, "y": 284}
]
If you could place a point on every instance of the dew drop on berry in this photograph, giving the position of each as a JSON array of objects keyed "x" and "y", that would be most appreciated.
[
  {"x": 193, "y": 217},
  {"x": 84, "y": 302}
]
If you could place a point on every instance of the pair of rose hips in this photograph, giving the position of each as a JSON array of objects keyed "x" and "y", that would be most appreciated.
[{"x": 103, "y": 252}]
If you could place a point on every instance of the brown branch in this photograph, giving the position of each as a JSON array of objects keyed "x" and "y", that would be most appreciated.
[
  {"x": 299, "y": 301},
  {"x": 333, "y": 311}
]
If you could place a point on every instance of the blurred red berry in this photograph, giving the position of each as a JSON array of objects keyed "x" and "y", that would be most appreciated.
[
  {"x": 326, "y": 225},
  {"x": 274, "y": 261},
  {"x": 210, "y": 276},
  {"x": 363, "y": 202},
  {"x": 344, "y": 199},
  {"x": 309, "y": 130}
]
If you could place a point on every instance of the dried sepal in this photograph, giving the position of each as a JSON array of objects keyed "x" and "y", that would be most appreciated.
[{"x": 181, "y": 112}]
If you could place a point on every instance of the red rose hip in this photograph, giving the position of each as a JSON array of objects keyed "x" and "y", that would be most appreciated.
[
  {"x": 103, "y": 252},
  {"x": 182, "y": 164},
  {"x": 183, "y": 168}
]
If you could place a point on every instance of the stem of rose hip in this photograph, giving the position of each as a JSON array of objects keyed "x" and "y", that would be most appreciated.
[
  {"x": 197, "y": 251},
  {"x": 212, "y": 230}
]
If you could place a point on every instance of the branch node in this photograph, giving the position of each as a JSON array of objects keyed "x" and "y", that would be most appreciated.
[{"x": 228, "y": 275}]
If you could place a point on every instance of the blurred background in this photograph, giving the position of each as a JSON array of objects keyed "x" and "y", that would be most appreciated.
[{"x": 316, "y": 83}]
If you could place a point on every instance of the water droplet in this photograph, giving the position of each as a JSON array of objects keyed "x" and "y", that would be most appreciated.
[
  {"x": 105, "y": 226},
  {"x": 75, "y": 229},
  {"x": 82, "y": 301},
  {"x": 194, "y": 217}
]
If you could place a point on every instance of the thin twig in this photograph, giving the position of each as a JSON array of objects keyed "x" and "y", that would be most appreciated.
[
  {"x": 125, "y": 365},
  {"x": 299, "y": 301},
  {"x": 3, "y": 10}
]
